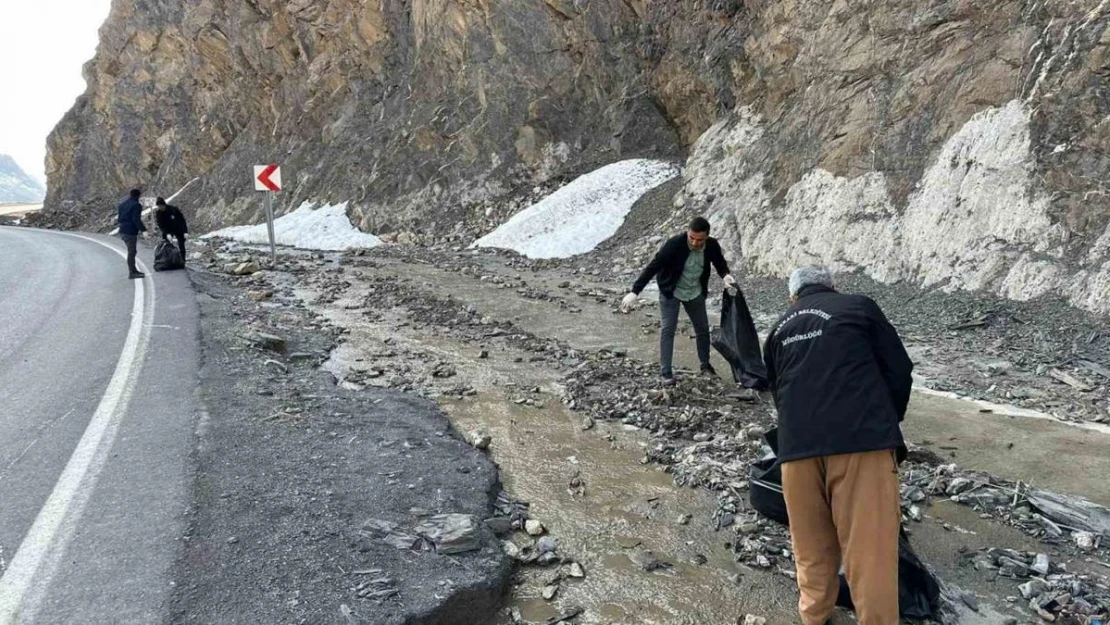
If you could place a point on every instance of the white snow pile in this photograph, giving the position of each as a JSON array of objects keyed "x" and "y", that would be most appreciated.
[
  {"x": 310, "y": 228},
  {"x": 582, "y": 214}
]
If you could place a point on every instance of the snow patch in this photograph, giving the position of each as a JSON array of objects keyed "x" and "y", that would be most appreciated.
[
  {"x": 977, "y": 219},
  {"x": 171, "y": 198},
  {"x": 308, "y": 227},
  {"x": 582, "y": 214}
]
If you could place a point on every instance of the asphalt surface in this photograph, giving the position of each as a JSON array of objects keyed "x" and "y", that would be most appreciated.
[
  {"x": 291, "y": 466},
  {"x": 96, "y": 429}
]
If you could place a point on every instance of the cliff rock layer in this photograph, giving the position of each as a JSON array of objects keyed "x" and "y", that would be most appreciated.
[{"x": 953, "y": 143}]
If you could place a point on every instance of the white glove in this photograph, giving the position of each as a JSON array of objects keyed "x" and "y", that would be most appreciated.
[
  {"x": 730, "y": 284},
  {"x": 629, "y": 303}
]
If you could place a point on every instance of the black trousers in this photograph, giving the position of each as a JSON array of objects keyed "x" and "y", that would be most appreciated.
[
  {"x": 180, "y": 236},
  {"x": 131, "y": 241}
]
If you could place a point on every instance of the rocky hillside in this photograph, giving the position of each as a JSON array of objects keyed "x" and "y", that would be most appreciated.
[
  {"x": 951, "y": 143},
  {"x": 16, "y": 187}
]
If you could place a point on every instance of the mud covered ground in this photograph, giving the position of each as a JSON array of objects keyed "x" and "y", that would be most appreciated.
[{"x": 642, "y": 491}]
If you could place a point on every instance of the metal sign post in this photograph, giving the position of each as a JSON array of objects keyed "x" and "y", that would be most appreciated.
[
  {"x": 268, "y": 178},
  {"x": 270, "y": 225}
]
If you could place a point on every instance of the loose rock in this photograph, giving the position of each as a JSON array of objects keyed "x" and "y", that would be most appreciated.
[
  {"x": 547, "y": 544},
  {"x": 450, "y": 533},
  {"x": 242, "y": 269},
  {"x": 480, "y": 439},
  {"x": 269, "y": 341}
]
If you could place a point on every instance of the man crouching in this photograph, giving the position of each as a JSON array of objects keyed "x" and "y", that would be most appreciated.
[{"x": 841, "y": 381}]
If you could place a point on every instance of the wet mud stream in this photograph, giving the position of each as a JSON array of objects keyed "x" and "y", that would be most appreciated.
[
  {"x": 627, "y": 519},
  {"x": 622, "y": 515}
]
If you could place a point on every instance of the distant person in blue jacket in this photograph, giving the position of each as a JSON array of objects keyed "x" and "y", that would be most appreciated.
[{"x": 130, "y": 226}]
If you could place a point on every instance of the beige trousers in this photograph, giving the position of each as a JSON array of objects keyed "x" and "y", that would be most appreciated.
[{"x": 845, "y": 509}]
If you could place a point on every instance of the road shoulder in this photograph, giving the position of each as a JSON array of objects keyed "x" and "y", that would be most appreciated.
[{"x": 290, "y": 468}]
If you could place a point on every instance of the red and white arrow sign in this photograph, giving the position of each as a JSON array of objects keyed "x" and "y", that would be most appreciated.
[{"x": 267, "y": 178}]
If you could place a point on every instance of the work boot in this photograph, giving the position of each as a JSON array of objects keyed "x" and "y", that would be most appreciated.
[
  {"x": 667, "y": 380},
  {"x": 708, "y": 370},
  {"x": 135, "y": 275}
]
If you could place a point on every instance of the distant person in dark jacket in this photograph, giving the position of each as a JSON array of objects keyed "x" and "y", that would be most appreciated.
[
  {"x": 681, "y": 269},
  {"x": 171, "y": 222},
  {"x": 130, "y": 226},
  {"x": 841, "y": 380}
]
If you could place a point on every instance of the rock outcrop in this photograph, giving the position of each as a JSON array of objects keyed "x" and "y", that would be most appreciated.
[{"x": 952, "y": 143}]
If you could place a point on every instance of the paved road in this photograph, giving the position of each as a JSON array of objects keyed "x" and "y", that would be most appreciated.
[{"x": 98, "y": 411}]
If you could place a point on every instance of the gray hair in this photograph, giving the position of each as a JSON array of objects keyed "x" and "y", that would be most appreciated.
[{"x": 807, "y": 276}]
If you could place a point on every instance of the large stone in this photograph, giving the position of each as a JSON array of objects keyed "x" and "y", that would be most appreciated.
[
  {"x": 534, "y": 527},
  {"x": 547, "y": 544},
  {"x": 1086, "y": 541},
  {"x": 958, "y": 485},
  {"x": 1034, "y": 588},
  {"x": 243, "y": 269},
  {"x": 1041, "y": 564},
  {"x": 480, "y": 439},
  {"x": 450, "y": 533}
]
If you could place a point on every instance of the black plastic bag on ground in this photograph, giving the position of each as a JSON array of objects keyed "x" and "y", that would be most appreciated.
[
  {"x": 918, "y": 590},
  {"x": 736, "y": 340},
  {"x": 167, "y": 257}
]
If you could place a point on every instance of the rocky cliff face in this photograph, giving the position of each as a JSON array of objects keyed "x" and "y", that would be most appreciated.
[{"x": 953, "y": 143}]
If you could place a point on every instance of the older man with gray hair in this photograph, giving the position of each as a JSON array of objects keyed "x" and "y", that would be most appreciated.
[{"x": 841, "y": 380}]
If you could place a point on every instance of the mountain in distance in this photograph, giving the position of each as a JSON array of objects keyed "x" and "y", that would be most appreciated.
[{"x": 16, "y": 187}]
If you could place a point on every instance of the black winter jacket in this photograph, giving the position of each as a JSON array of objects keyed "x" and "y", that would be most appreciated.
[
  {"x": 130, "y": 217},
  {"x": 840, "y": 376},
  {"x": 670, "y": 260},
  {"x": 170, "y": 220}
]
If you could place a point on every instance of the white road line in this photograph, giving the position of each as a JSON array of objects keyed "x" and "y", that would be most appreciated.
[{"x": 27, "y": 577}]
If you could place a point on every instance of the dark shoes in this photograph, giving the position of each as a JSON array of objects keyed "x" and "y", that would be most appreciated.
[
  {"x": 135, "y": 275},
  {"x": 667, "y": 380},
  {"x": 708, "y": 370}
]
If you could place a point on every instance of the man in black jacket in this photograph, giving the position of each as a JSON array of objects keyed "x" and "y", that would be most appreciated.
[
  {"x": 130, "y": 215},
  {"x": 171, "y": 222},
  {"x": 681, "y": 269},
  {"x": 841, "y": 381}
]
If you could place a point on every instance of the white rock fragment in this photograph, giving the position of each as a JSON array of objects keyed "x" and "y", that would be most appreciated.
[{"x": 534, "y": 527}]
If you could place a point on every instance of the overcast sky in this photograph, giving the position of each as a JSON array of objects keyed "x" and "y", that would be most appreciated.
[{"x": 43, "y": 44}]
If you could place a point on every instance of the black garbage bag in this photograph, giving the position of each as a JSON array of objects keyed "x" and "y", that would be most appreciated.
[
  {"x": 765, "y": 483},
  {"x": 167, "y": 257},
  {"x": 918, "y": 589},
  {"x": 737, "y": 341}
]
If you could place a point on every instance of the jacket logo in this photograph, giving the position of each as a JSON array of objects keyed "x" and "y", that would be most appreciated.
[
  {"x": 806, "y": 311},
  {"x": 801, "y": 337}
]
